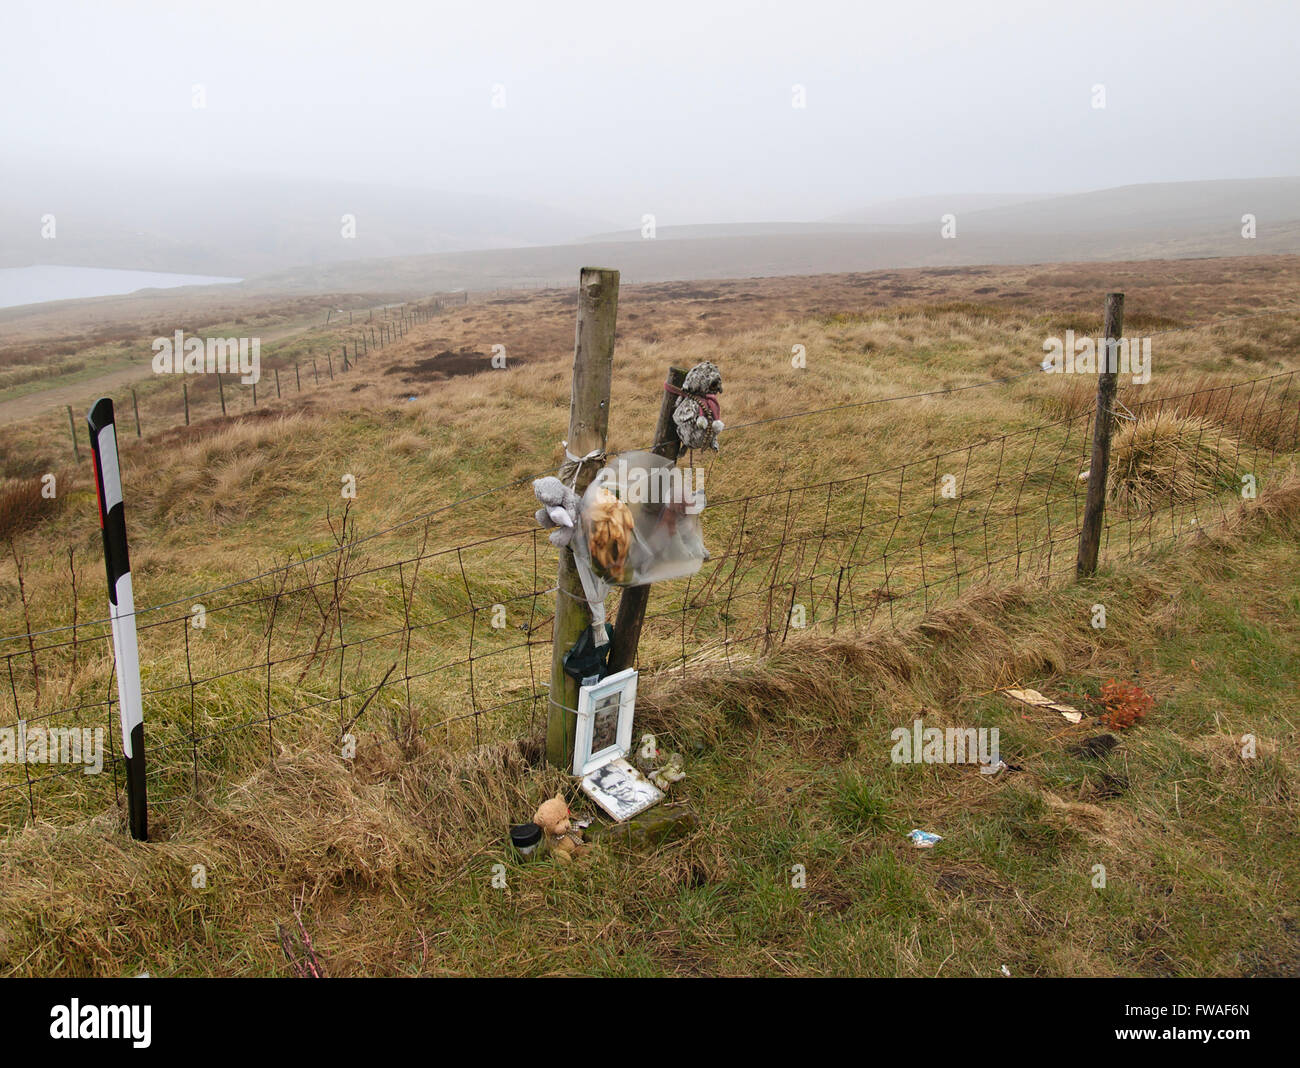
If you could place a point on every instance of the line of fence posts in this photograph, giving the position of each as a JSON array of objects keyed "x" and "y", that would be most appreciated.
[
  {"x": 589, "y": 407},
  {"x": 362, "y": 347},
  {"x": 592, "y": 315}
]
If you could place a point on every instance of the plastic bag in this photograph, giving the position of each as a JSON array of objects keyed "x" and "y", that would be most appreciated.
[{"x": 639, "y": 522}]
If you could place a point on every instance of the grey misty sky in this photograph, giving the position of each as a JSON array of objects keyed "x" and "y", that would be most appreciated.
[{"x": 682, "y": 109}]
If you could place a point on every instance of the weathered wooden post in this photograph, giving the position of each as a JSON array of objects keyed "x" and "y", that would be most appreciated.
[
  {"x": 632, "y": 605},
  {"x": 135, "y": 402},
  {"x": 296, "y": 376},
  {"x": 222, "y": 393},
  {"x": 1103, "y": 423},
  {"x": 185, "y": 396},
  {"x": 593, "y": 365},
  {"x": 277, "y": 383},
  {"x": 72, "y": 425}
]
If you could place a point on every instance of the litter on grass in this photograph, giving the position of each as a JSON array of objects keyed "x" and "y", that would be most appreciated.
[
  {"x": 924, "y": 839},
  {"x": 1033, "y": 697}
]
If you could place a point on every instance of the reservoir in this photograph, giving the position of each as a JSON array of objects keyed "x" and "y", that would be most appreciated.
[{"x": 35, "y": 285}]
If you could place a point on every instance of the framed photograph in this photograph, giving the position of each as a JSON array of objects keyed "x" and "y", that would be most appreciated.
[
  {"x": 621, "y": 790},
  {"x": 604, "y": 721}
]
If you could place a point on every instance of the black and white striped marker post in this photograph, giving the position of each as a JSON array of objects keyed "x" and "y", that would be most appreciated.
[{"x": 121, "y": 609}]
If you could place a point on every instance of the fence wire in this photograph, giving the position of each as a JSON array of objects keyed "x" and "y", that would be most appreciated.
[{"x": 452, "y": 643}]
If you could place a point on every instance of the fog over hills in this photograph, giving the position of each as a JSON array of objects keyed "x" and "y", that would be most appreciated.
[
  {"x": 1165, "y": 220},
  {"x": 232, "y": 139},
  {"x": 1186, "y": 206},
  {"x": 250, "y": 224},
  {"x": 285, "y": 230},
  {"x": 902, "y": 210}
]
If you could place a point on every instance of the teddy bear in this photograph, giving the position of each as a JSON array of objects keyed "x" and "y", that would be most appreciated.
[
  {"x": 553, "y": 816},
  {"x": 563, "y": 838},
  {"x": 559, "y": 509},
  {"x": 697, "y": 411}
]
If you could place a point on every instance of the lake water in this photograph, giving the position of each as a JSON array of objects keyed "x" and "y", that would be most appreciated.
[{"x": 35, "y": 285}]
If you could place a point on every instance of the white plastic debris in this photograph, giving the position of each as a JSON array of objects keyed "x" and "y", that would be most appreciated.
[{"x": 1033, "y": 697}]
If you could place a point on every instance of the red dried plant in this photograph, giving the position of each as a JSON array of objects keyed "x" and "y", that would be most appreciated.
[{"x": 1125, "y": 703}]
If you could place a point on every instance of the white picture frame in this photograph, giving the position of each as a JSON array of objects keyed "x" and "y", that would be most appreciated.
[{"x": 605, "y": 712}]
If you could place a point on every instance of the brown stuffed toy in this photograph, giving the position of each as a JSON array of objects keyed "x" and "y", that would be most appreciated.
[
  {"x": 553, "y": 816},
  {"x": 610, "y": 523},
  {"x": 563, "y": 839}
]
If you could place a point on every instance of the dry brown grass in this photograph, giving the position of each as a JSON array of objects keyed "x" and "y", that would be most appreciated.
[
  {"x": 1277, "y": 509},
  {"x": 358, "y": 844},
  {"x": 372, "y": 848},
  {"x": 23, "y": 505},
  {"x": 1170, "y": 458},
  {"x": 225, "y": 499}
]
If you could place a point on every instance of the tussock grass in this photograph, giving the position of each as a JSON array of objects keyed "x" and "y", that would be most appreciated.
[
  {"x": 1170, "y": 458},
  {"x": 22, "y": 506},
  {"x": 390, "y": 856},
  {"x": 221, "y": 500}
]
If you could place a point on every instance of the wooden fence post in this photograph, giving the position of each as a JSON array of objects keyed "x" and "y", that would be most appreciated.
[
  {"x": 135, "y": 402},
  {"x": 593, "y": 364},
  {"x": 296, "y": 376},
  {"x": 1103, "y": 423},
  {"x": 72, "y": 425},
  {"x": 277, "y": 383},
  {"x": 185, "y": 395},
  {"x": 222, "y": 391},
  {"x": 632, "y": 605}
]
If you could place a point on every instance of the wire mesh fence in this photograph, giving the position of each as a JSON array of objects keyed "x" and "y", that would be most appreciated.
[{"x": 410, "y": 635}]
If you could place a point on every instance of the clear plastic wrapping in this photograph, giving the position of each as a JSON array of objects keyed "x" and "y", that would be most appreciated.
[{"x": 639, "y": 522}]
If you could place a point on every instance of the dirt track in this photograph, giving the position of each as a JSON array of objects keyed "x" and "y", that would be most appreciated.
[{"x": 81, "y": 394}]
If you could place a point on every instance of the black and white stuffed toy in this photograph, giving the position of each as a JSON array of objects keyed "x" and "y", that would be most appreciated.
[{"x": 697, "y": 411}]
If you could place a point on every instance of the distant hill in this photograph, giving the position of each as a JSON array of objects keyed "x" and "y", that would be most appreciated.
[
  {"x": 251, "y": 224},
  {"x": 1181, "y": 206},
  {"x": 284, "y": 235},
  {"x": 1167, "y": 221},
  {"x": 905, "y": 210},
  {"x": 693, "y": 231}
]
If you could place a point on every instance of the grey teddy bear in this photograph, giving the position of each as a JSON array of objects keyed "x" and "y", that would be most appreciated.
[
  {"x": 696, "y": 414},
  {"x": 559, "y": 509}
]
